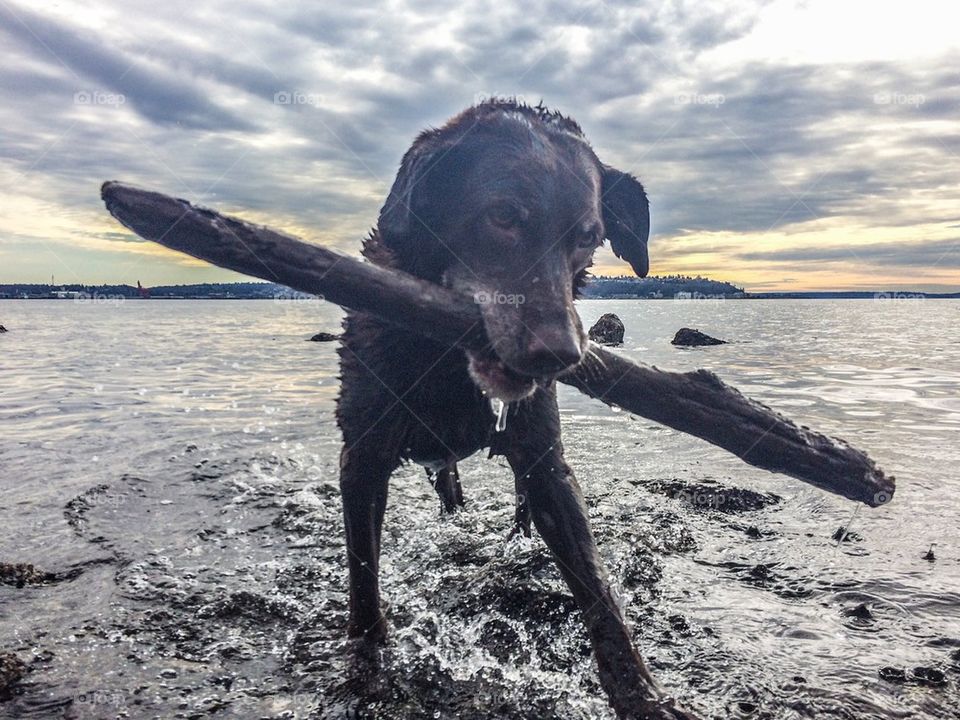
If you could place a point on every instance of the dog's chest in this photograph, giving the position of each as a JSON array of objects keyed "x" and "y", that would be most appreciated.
[{"x": 416, "y": 394}]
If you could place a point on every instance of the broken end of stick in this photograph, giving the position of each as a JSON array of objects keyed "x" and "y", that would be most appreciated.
[{"x": 127, "y": 203}]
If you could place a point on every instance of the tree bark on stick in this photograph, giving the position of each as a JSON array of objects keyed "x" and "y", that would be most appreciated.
[{"x": 697, "y": 403}]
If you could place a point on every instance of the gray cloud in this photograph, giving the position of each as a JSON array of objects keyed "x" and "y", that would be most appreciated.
[
  {"x": 739, "y": 149},
  {"x": 930, "y": 253},
  {"x": 160, "y": 95}
]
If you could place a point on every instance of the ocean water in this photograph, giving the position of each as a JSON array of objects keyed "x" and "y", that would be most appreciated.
[{"x": 170, "y": 470}]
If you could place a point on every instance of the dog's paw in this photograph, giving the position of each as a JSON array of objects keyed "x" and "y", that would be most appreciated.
[
  {"x": 519, "y": 528},
  {"x": 374, "y": 632}
]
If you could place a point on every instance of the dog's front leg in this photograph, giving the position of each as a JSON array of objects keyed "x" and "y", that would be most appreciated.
[
  {"x": 521, "y": 516},
  {"x": 560, "y": 515},
  {"x": 364, "y": 474}
]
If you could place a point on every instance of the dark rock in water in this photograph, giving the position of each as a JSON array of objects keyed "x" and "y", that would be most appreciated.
[
  {"x": 893, "y": 675},
  {"x": 2, "y": 329},
  {"x": 861, "y": 612},
  {"x": 324, "y": 337},
  {"x": 608, "y": 330},
  {"x": 12, "y": 669},
  {"x": 841, "y": 535},
  {"x": 21, "y": 574},
  {"x": 929, "y": 676},
  {"x": 252, "y": 606},
  {"x": 688, "y": 337},
  {"x": 679, "y": 624},
  {"x": 713, "y": 496}
]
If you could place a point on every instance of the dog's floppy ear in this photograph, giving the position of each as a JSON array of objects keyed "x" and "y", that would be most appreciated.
[{"x": 626, "y": 216}]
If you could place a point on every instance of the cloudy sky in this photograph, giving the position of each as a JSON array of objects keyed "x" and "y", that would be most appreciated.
[{"x": 785, "y": 145}]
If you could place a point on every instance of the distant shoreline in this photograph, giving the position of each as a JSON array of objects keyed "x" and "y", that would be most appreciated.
[
  {"x": 857, "y": 295},
  {"x": 677, "y": 288}
]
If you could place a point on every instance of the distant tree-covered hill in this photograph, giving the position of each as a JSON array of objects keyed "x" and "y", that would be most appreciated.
[
  {"x": 239, "y": 290},
  {"x": 628, "y": 287},
  {"x": 668, "y": 286},
  {"x": 598, "y": 287}
]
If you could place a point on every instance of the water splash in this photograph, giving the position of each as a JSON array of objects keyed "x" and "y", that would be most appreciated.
[
  {"x": 499, "y": 408},
  {"x": 846, "y": 528}
]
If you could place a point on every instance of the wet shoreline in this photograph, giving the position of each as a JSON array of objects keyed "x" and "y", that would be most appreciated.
[{"x": 177, "y": 498}]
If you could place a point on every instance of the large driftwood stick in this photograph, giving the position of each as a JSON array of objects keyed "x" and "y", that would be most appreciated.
[{"x": 698, "y": 403}]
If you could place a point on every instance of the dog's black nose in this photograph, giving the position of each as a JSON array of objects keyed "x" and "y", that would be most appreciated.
[{"x": 550, "y": 351}]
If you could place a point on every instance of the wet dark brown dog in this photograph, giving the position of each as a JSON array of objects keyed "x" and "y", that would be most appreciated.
[{"x": 508, "y": 203}]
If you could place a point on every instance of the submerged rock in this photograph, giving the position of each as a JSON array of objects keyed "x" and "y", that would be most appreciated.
[
  {"x": 892, "y": 674},
  {"x": 689, "y": 337},
  {"x": 860, "y": 612},
  {"x": 929, "y": 676},
  {"x": 713, "y": 496},
  {"x": 324, "y": 337},
  {"x": 12, "y": 669},
  {"x": 841, "y": 534},
  {"x": 21, "y": 574},
  {"x": 608, "y": 330}
]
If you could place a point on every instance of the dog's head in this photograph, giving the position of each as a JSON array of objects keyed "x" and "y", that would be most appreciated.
[{"x": 508, "y": 203}]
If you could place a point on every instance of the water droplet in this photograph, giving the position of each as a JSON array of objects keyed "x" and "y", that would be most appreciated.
[{"x": 499, "y": 408}]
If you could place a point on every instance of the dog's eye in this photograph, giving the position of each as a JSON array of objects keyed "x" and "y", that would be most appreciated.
[
  {"x": 589, "y": 239},
  {"x": 505, "y": 216}
]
